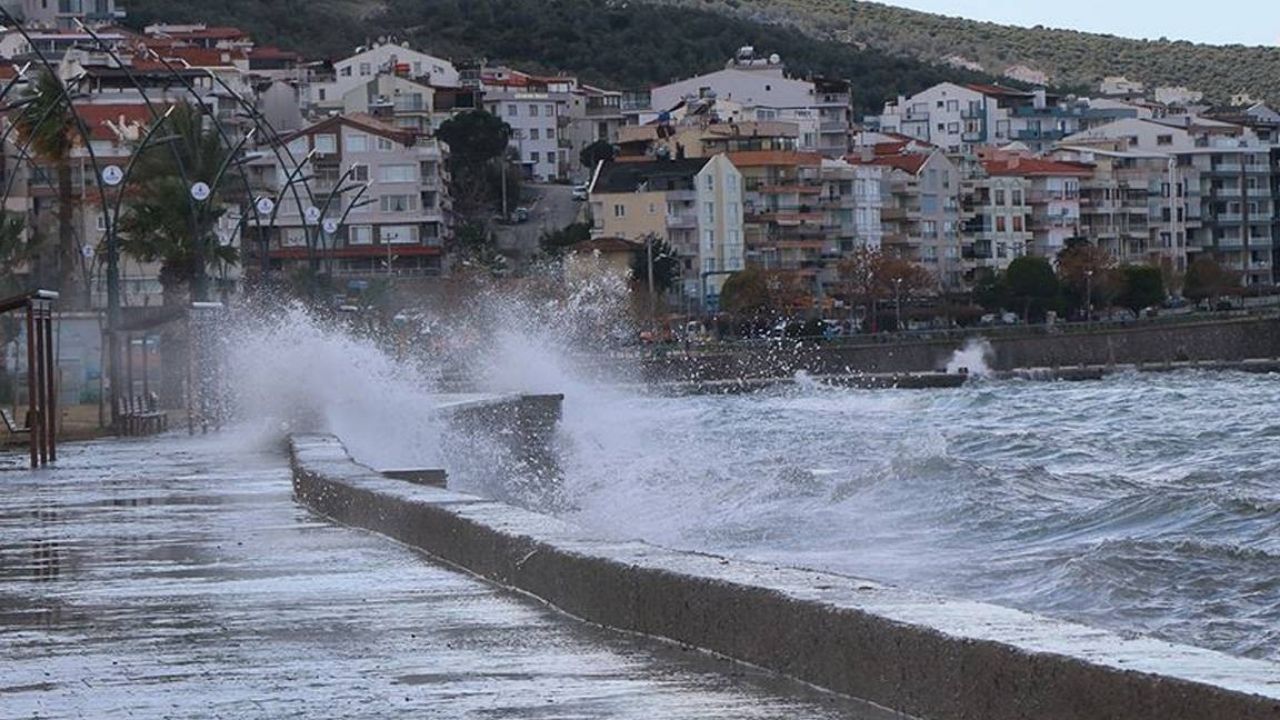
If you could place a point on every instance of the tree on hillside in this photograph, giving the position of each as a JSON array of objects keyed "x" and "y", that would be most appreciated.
[
  {"x": 1033, "y": 285},
  {"x": 596, "y": 153},
  {"x": 48, "y": 125},
  {"x": 1207, "y": 279},
  {"x": 554, "y": 242},
  {"x": 1143, "y": 287}
]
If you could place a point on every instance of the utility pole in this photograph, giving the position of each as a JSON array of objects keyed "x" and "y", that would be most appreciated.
[
  {"x": 1088, "y": 294},
  {"x": 653, "y": 300}
]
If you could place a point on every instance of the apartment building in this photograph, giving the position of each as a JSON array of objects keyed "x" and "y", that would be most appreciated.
[
  {"x": 1053, "y": 196},
  {"x": 761, "y": 90},
  {"x": 63, "y": 14},
  {"x": 535, "y": 131},
  {"x": 998, "y": 218},
  {"x": 1238, "y": 207},
  {"x": 921, "y": 212},
  {"x": 961, "y": 118},
  {"x": 1140, "y": 206},
  {"x": 377, "y": 202},
  {"x": 853, "y": 202},
  {"x": 327, "y": 92},
  {"x": 785, "y": 227},
  {"x": 695, "y": 204}
]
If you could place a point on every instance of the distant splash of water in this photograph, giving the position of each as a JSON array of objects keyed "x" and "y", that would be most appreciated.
[{"x": 973, "y": 359}]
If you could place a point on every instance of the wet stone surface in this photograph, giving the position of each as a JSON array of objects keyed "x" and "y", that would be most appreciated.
[{"x": 177, "y": 578}]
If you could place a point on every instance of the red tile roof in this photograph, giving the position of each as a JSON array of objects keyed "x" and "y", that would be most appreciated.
[
  {"x": 1027, "y": 167},
  {"x": 101, "y": 117},
  {"x": 756, "y": 158}
]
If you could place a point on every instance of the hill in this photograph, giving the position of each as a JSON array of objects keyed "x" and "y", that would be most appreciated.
[
  {"x": 610, "y": 42},
  {"x": 1067, "y": 58}
]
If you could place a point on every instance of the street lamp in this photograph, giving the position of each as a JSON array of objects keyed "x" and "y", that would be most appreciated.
[
  {"x": 897, "y": 303},
  {"x": 1088, "y": 295}
]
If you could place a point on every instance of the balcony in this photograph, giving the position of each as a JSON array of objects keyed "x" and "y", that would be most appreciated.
[{"x": 682, "y": 222}]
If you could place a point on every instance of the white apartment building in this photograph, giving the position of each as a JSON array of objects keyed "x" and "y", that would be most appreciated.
[
  {"x": 535, "y": 122},
  {"x": 357, "y": 70},
  {"x": 762, "y": 91},
  {"x": 63, "y": 14},
  {"x": 397, "y": 226}
]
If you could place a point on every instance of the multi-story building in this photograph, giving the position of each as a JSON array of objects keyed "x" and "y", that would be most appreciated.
[
  {"x": 785, "y": 226},
  {"x": 997, "y": 228},
  {"x": 1238, "y": 207},
  {"x": 761, "y": 90},
  {"x": 398, "y": 225},
  {"x": 63, "y": 14},
  {"x": 1054, "y": 198},
  {"x": 851, "y": 198},
  {"x": 921, "y": 213},
  {"x": 961, "y": 118},
  {"x": 1139, "y": 205},
  {"x": 535, "y": 130},
  {"x": 326, "y": 92},
  {"x": 695, "y": 204}
]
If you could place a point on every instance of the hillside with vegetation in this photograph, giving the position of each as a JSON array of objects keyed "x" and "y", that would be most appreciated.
[
  {"x": 1068, "y": 58},
  {"x": 612, "y": 43}
]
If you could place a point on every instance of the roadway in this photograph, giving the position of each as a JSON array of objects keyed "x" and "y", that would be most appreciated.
[
  {"x": 551, "y": 207},
  {"x": 177, "y": 578}
]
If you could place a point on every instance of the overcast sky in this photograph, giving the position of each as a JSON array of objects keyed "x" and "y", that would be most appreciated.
[{"x": 1252, "y": 22}]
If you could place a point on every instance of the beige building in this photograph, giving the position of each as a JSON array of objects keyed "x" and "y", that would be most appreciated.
[{"x": 695, "y": 204}]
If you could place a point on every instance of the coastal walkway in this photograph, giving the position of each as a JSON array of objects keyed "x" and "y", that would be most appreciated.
[{"x": 178, "y": 578}]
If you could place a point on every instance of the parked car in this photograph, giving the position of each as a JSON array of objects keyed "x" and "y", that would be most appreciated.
[
  {"x": 521, "y": 215},
  {"x": 580, "y": 191}
]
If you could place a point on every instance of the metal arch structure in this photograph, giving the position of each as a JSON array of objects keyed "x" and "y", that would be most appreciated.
[{"x": 235, "y": 142}]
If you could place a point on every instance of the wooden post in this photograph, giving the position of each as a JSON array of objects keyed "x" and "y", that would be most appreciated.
[
  {"x": 33, "y": 390},
  {"x": 51, "y": 412}
]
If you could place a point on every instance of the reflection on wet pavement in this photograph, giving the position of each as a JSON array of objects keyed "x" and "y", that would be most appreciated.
[{"x": 178, "y": 579}]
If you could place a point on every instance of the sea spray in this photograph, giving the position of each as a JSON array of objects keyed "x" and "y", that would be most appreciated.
[{"x": 972, "y": 359}]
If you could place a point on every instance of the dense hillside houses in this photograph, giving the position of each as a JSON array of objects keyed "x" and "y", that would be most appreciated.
[{"x": 748, "y": 166}]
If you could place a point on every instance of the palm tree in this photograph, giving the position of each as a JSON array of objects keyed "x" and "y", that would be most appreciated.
[
  {"x": 48, "y": 124},
  {"x": 164, "y": 223}
]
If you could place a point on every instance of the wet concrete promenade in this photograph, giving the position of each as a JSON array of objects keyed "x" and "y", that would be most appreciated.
[{"x": 177, "y": 578}]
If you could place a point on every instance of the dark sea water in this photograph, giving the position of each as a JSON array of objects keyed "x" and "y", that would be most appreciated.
[{"x": 1141, "y": 503}]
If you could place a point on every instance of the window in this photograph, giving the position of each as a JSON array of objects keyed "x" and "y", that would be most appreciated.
[
  {"x": 1000, "y": 225},
  {"x": 709, "y": 182},
  {"x": 345, "y": 72},
  {"x": 1017, "y": 197},
  {"x": 534, "y": 134},
  {"x": 551, "y": 134},
  {"x": 953, "y": 127},
  {"x": 551, "y": 111},
  {"x": 708, "y": 239},
  {"x": 999, "y": 196},
  {"x": 360, "y": 173},
  {"x": 513, "y": 111},
  {"x": 533, "y": 111},
  {"x": 734, "y": 239},
  {"x": 711, "y": 212},
  {"x": 399, "y": 173},
  {"x": 417, "y": 67},
  {"x": 322, "y": 93},
  {"x": 385, "y": 144},
  {"x": 398, "y": 203},
  {"x": 1164, "y": 140},
  {"x": 398, "y": 234},
  {"x": 357, "y": 142},
  {"x": 360, "y": 235},
  {"x": 366, "y": 69},
  {"x": 326, "y": 144},
  {"x": 1017, "y": 223},
  {"x": 294, "y": 237},
  {"x": 534, "y": 157},
  {"x": 619, "y": 211},
  {"x": 953, "y": 106}
]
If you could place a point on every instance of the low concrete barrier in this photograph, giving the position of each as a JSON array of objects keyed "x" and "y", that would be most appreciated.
[{"x": 915, "y": 653}]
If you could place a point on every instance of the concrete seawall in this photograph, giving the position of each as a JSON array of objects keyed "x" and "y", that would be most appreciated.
[
  {"x": 1227, "y": 340},
  {"x": 918, "y": 654}
]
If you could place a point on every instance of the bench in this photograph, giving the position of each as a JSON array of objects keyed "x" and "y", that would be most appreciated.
[
  {"x": 140, "y": 415},
  {"x": 14, "y": 435}
]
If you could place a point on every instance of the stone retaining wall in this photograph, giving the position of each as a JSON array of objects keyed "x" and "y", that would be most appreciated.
[
  {"x": 1137, "y": 344},
  {"x": 918, "y": 654}
]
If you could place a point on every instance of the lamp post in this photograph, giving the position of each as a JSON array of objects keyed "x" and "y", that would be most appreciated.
[
  {"x": 897, "y": 303},
  {"x": 1088, "y": 296}
]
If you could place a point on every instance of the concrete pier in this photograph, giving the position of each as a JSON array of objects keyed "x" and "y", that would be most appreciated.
[
  {"x": 918, "y": 654},
  {"x": 178, "y": 578}
]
